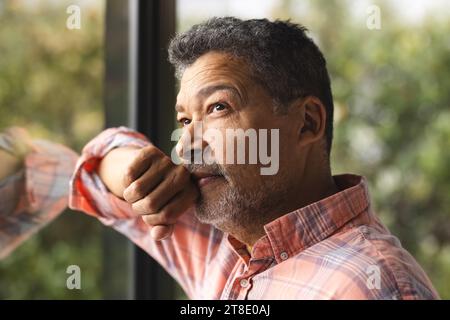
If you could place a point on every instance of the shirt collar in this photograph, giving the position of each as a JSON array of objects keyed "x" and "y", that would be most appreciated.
[{"x": 293, "y": 232}]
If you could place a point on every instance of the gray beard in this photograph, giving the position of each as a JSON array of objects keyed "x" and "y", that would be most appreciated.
[{"x": 243, "y": 209}]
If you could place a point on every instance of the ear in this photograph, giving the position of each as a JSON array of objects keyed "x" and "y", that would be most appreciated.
[{"x": 312, "y": 119}]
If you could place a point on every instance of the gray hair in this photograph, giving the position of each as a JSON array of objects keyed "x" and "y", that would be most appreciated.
[{"x": 282, "y": 58}]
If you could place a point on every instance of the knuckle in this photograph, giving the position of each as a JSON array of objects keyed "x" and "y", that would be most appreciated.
[
  {"x": 164, "y": 217},
  {"x": 128, "y": 176},
  {"x": 145, "y": 153},
  {"x": 149, "y": 219},
  {"x": 166, "y": 162},
  {"x": 150, "y": 152},
  {"x": 183, "y": 174},
  {"x": 147, "y": 150},
  {"x": 138, "y": 188},
  {"x": 154, "y": 219},
  {"x": 168, "y": 216},
  {"x": 140, "y": 155},
  {"x": 138, "y": 208},
  {"x": 151, "y": 204}
]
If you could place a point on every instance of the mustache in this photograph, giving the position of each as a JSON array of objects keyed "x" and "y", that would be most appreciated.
[{"x": 213, "y": 169}]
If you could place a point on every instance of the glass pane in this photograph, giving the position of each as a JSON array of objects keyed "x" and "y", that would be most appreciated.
[{"x": 51, "y": 83}]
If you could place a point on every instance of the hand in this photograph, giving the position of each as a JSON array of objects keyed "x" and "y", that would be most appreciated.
[{"x": 159, "y": 190}]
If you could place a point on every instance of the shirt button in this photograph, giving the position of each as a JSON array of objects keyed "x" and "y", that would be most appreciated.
[
  {"x": 244, "y": 283},
  {"x": 284, "y": 255}
]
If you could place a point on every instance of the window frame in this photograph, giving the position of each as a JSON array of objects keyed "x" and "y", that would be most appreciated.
[{"x": 139, "y": 93}]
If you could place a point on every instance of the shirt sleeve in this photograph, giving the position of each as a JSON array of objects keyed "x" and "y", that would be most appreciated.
[
  {"x": 184, "y": 255},
  {"x": 36, "y": 194}
]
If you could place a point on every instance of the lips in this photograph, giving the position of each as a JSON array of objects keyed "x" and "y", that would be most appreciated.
[
  {"x": 204, "y": 181},
  {"x": 203, "y": 178}
]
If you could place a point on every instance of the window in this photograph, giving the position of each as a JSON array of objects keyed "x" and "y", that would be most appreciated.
[{"x": 51, "y": 82}]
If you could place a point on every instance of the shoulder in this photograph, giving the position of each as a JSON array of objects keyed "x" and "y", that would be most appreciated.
[{"x": 369, "y": 263}]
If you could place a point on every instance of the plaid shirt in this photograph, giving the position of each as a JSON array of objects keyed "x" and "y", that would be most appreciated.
[
  {"x": 335, "y": 248},
  {"x": 35, "y": 195}
]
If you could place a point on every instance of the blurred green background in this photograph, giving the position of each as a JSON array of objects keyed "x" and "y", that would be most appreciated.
[{"x": 392, "y": 117}]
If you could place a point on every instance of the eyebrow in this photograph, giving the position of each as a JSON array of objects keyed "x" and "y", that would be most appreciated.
[{"x": 209, "y": 90}]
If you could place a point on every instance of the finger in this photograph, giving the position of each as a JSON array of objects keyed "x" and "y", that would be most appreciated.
[
  {"x": 178, "y": 179},
  {"x": 141, "y": 187},
  {"x": 174, "y": 209},
  {"x": 140, "y": 164},
  {"x": 161, "y": 232}
]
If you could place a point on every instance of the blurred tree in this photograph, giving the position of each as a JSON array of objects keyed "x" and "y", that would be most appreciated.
[
  {"x": 51, "y": 83},
  {"x": 50, "y": 76},
  {"x": 392, "y": 123},
  {"x": 392, "y": 118}
]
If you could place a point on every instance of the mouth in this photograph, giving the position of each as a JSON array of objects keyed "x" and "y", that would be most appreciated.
[{"x": 203, "y": 179}]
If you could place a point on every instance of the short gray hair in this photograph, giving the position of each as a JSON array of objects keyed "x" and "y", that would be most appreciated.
[{"x": 282, "y": 58}]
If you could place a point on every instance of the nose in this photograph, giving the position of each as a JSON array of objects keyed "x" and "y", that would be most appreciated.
[{"x": 191, "y": 145}]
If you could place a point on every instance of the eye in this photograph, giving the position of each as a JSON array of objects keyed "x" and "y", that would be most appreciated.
[
  {"x": 184, "y": 121},
  {"x": 218, "y": 107}
]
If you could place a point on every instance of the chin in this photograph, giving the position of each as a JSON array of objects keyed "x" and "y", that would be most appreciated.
[{"x": 214, "y": 207}]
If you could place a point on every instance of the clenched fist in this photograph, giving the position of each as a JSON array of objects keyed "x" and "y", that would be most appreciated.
[{"x": 156, "y": 188}]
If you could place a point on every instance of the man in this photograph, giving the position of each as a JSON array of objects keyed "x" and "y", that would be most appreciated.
[
  {"x": 224, "y": 230},
  {"x": 230, "y": 232}
]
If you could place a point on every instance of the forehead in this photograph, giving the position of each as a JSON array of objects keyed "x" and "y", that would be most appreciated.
[{"x": 214, "y": 67}]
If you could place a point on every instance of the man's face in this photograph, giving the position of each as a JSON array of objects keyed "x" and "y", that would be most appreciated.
[{"x": 218, "y": 92}]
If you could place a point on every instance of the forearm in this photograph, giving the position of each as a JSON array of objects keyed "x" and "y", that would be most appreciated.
[
  {"x": 34, "y": 186},
  {"x": 96, "y": 189},
  {"x": 113, "y": 167}
]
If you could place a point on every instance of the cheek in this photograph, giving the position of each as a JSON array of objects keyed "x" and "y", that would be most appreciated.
[
  {"x": 218, "y": 135},
  {"x": 243, "y": 177},
  {"x": 236, "y": 140}
]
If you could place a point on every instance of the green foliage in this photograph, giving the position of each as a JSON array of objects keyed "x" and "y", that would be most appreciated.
[
  {"x": 37, "y": 269},
  {"x": 392, "y": 124},
  {"x": 51, "y": 83},
  {"x": 51, "y": 77},
  {"x": 392, "y": 121}
]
